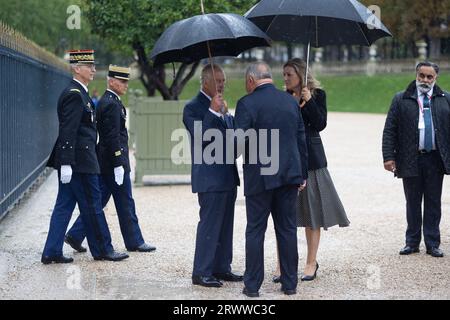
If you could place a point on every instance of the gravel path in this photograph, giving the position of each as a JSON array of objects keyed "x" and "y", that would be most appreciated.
[{"x": 359, "y": 262}]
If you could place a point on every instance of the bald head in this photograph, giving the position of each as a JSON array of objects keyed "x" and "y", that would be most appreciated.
[{"x": 258, "y": 73}]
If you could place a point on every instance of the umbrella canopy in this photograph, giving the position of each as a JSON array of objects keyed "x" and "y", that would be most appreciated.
[
  {"x": 226, "y": 35},
  {"x": 318, "y": 22}
]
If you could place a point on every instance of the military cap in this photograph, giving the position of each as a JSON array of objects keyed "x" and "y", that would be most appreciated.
[
  {"x": 81, "y": 57},
  {"x": 121, "y": 73}
]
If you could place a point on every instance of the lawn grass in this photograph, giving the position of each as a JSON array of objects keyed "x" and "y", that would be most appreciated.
[{"x": 344, "y": 93}]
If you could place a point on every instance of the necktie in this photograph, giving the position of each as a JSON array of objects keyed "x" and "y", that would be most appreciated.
[
  {"x": 224, "y": 123},
  {"x": 428, "y": 124}
]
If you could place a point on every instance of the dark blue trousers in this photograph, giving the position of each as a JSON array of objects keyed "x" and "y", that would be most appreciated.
[
  {"x": 427, "y": 186},
  {"x": 126, "y": 211},
  {"x": 281, "y": 203},
  {"x": 214, "y": 244},
  {"x": 83, "y": 190}
]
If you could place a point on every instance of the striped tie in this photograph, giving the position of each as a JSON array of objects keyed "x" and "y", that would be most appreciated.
[{"x": 428, "y": 124}]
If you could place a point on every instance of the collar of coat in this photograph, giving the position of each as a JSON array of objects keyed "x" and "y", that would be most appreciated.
[{"x": 411, "y": 91}]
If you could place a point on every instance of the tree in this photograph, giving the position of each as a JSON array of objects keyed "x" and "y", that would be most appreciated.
[
  {"x": 44, "y": 22},
  {"x": 135, "y": 25},
  {"x": 411, "y": 20}
]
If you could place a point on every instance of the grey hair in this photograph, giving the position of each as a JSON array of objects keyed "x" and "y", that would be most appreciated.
[
  {"x": 259, "y": 71},
  {"x": 428, "y": 64},
  {"x": 207, "y": 72}
]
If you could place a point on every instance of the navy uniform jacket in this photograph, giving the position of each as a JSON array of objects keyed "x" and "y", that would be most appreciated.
[
  {"x": 269, "y": 108},
  {"x": 112, "y": 149},
  {"x": 209, "y": 177},
  {"x": 77, "y": 137}
]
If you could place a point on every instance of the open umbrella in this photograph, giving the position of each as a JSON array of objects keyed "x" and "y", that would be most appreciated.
[
  {"x": 208, "y": 35},
  {"x": 318, "y": 23}
]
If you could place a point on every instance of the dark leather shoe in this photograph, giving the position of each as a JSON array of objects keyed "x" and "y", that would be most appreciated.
[
  {"x": 71, "y": 242},
  {"x": 144, "y": 248},
  {"x": 209, "y": 282},
  {"x": 276, "y": 279},
  {"x": 289, "y": 292},
  {"x": 435, "y": 252},
  {"x": 61, "y": 259},
  {"x": 409, "y": 250},
  {"x": 229, "y": 276},
  {"x": 311, "y": 278},
  {"x": 250, "y": 294},
  {"x": 112, "y": 256}
]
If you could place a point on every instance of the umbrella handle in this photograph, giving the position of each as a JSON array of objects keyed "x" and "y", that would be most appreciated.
[
  {"x": 307, "y": 64},
  {"x": 209, "y": 50}
]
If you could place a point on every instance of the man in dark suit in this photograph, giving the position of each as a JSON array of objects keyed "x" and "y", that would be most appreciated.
[
  {"x": 76, "y": 161},
  {"x": 112, "y": 152},
  {"x": 214, "y": 181},
  {"x": 271, "y": 113},
  {"x": 416, "y": 148}
]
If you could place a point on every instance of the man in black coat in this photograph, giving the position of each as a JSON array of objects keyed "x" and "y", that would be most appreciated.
[
  {"x": 214, "y": 180},
  {"x": 76, "y": 161},
  {"x": 271, "y": 187},
  {"x": 112, "y": 152},
  {"x": 416, "y": 148}
]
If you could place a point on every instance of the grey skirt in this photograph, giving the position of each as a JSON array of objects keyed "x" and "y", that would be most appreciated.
[{"x": 319, "y": 205}]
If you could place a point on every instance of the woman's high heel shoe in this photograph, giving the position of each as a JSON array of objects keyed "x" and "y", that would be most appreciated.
[{"x": 311, "y": 278}]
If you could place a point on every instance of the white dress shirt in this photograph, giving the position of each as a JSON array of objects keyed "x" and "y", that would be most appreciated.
[{"x": 84, "y": 87}]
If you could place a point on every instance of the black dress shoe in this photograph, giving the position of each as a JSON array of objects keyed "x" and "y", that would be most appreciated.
[
  {"x": 408, "y": 250},
  {"x": 250, "y": 294},
  {"x": 71, "y": 242},
  {"x": 435, "y": 252},
  {"x": 61, "y": 259},
  {"x": 112, "y": 256},
  {"x": 209, "y": 282},
  {"x": 144, "y": 248},
  {"x": 229, "y": 276},
  {"x": 289, "y": 292},
  {"x": 276, "y": 279},
  {"x": 311, "y": 278}
]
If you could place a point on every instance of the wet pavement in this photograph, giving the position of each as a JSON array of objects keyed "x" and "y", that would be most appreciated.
[{"x": 358, "y": 262}]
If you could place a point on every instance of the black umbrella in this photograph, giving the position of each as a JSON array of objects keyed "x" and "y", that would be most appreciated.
[
  {"x": 318, "y": 23},
  {"x": 207, "y": 35}
]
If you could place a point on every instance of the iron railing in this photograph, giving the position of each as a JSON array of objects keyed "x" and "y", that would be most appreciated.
[{"x": 30, "y": 83}]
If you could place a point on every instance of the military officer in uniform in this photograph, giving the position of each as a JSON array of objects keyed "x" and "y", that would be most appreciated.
[
  {"x": 112, "y": 152},
  {"x": 75, "y": 159}
]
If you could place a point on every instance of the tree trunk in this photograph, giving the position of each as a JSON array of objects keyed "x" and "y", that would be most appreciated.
[
  {"x": 154, "y": 78},
  {"x": 434, "y": 48},
  {"x": 289, "y": 50}
]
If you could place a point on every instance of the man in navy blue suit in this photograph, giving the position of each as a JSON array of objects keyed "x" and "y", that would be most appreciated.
[
  {"x": 215, "y": 182},
  {"x": 271, "y": 187}
]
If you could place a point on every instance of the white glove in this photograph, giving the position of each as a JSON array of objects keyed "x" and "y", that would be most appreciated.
[
  {"x": 66, "y": 174},
  {"x": 119, "y": 173}
]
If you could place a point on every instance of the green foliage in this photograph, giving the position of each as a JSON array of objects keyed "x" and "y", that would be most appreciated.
[
  {"x": 44, "y": 22},
  {"x": 128, "y": 22},
  {"x": 412, "y": 19}
]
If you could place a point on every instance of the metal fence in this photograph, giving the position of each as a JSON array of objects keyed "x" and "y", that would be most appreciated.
[
  {"x": 31, "y": 80},
  {"x": 152, "y": 125}
]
